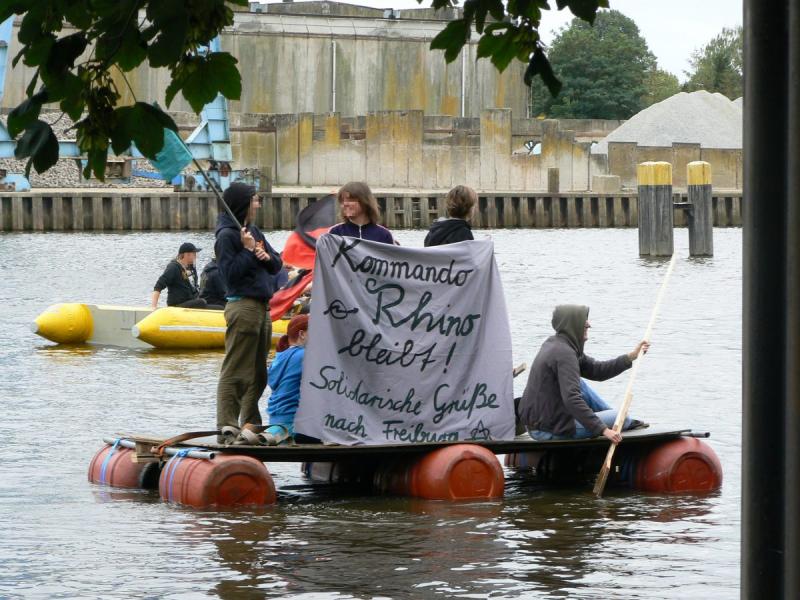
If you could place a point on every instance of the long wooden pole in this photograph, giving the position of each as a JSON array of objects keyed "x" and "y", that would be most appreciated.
[{"x": 602, "y": 477}]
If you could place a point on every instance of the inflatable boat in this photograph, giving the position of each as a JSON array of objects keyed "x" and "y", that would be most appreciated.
[{"x": 137, "y": 326}]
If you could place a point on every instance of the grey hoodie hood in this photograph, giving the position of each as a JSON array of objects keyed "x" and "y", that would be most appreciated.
[{"x": 569, "y": 320}]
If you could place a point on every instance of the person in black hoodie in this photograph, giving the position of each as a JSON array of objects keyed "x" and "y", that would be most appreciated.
[
  {"x": 248, "y": 265},
  {"x": 460, "y": 202},
  {"x": 212, "y": 288}
]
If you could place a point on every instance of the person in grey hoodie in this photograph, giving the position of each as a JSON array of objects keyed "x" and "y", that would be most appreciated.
[{"x": 554, "y": 405}]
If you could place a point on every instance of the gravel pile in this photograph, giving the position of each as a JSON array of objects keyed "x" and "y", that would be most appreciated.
[
  {"x": 66, "y": 173},
  {"x": 712, "y": 120}
]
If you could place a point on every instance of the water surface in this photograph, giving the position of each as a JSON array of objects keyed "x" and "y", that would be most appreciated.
[{"x": 66, "y": 538}]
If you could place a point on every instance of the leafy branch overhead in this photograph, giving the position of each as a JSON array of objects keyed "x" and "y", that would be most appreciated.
[
  {"x": 75, "y": 46},
  {"x": 80, "y": 51},
  {"x": 512, "y": 32}
]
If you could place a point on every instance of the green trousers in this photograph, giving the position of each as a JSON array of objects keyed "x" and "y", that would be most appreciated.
[{"x": 244, "y": 370}]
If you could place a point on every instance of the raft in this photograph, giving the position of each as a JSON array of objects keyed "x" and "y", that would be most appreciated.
[
  {"x": 138, "y": 327},
  {"x": 204, "y": 474}
]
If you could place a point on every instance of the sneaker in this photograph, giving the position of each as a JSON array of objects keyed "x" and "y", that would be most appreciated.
[
  {"x": 637, "y": 424},
  {"x": 228, "y": 435}
]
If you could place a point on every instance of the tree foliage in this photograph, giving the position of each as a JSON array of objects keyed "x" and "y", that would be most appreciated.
[
  {"x": 659, "y": 85},
  {"x": 74, "y": 47},
  {"x": 717, "y": 66},
  {"x": 604, "y": 69}
]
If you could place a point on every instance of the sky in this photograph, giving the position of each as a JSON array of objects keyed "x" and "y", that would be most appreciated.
[{"x": 673, "y": 29}]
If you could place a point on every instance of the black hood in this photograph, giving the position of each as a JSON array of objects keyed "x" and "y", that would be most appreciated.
[
  {"x": 569, "y": 320},
  {"x": 442, "y": 230},
  {"x": 238, "y": 197}
]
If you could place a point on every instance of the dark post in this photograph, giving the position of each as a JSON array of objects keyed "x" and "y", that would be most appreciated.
[
  {"x": 655, "y": 209},
  {"x": 553, "y": 185},
  {"x": 771, "y": 310},
  {"x": 701, "y": 217}
]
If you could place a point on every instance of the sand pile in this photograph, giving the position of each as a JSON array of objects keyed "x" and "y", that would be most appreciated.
[{"x": 711, "y": 120}]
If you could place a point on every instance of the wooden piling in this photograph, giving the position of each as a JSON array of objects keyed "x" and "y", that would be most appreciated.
[
  {"x": 553, "y": 184},
  {"x": 37, "y": 213},
  {"x": 17, "y": 214},
  {"x": 701, "y": 217},
  {"x": 655, "y": 209}
]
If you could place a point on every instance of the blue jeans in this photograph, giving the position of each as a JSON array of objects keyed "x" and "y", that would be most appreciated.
[{"x": 601, "y": 409}]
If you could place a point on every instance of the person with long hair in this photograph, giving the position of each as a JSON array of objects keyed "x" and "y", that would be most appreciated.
[
  {"x": 455, "y": 227},
  {"x": 360, "y": 214}
]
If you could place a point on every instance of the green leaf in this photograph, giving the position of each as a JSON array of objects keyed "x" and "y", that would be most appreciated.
[
  {"x": 32, "y": 84},
  {"x": 221, "y": 66},
  {"x": 452, "y": 38},
  {"x": 170, "y": 17},
  {"x": 67, "y": 86},
  {"x": 198, "y": 88},
  {"x": 38, "y": 52},
  {"x": 61, "y": 57},
  {"x": 40, "y": 144},
  {"x": 25, "y": 114},
  {"x": 143, "y": 124},
  {"x": 173, "y": 88},
  {"x": 164, "y": 120},
  {"x": 505, "y": 52},
  {"x": 78, "y": 13},
  {"x": 583, "y": 9},
  {"x": 539, "y": 65},
  {"x": 96, "y": 163},
  {"x": 9, "y": 8}
]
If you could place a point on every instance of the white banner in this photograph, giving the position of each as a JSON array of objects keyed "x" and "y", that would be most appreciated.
[{"x": 406, "y": 345}]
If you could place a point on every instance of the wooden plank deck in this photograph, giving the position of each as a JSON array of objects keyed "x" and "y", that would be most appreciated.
[{"x": 329, "y": 453}]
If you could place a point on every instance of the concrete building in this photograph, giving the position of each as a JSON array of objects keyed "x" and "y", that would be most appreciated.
[{"x": 323, "y": 57}]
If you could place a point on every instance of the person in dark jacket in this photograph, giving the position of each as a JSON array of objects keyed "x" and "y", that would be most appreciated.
[
  {"x": 180, "y": 280},
  {"x": 460, "y": 204},
  {"x": 212, "y": 288},
  {"x": 360, "y": 213},
  {"x": 553, "y": 405},
  {"x": 248, "y": 265}
]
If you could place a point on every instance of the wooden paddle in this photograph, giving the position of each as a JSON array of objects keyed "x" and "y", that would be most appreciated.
[{"x": 600, "y": 484}]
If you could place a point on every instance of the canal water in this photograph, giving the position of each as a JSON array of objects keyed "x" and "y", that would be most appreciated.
[{"x": 66, "y": 538}]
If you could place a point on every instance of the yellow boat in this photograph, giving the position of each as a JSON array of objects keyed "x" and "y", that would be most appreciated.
[
  {"x": 137, "y": 327},
  {"x": 190, "y": 328}
]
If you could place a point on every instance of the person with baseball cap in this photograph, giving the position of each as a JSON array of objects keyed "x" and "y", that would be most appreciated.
[
  {"x": 180, "y": 280},
  {"x": 248, "y": 266}
]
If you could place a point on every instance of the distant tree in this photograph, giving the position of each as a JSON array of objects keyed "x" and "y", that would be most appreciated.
[
  {"x": 717, "y": 66},
  {"x": 603, "y": 69},
  {"x": 659, "y": 85}
]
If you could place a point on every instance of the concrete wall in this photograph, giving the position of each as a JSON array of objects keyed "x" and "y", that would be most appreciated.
[
  {"x": 726, "y": 164},
  {"x": 287, "y": 65}
]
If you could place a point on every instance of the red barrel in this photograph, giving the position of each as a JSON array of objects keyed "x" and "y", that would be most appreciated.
[
  {"x": 458, "y": 472},
  {"x": 679, "y": 466},
  {"x": 113, "y": 466},
  {"x": 224, "y": 481}
]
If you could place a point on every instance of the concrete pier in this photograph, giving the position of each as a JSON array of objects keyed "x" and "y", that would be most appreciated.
[{"x": 163, "y": 210}]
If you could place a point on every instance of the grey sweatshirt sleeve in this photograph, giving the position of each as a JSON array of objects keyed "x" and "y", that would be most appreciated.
[
  {"x": 600, "y": 370},
  {"x": 569, "y": 383}
]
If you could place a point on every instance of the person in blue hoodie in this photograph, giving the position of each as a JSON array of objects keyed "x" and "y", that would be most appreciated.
[
  {"x": 284, "y": 377},
  {"x": 248, "y": 266},
  {"x": 361, "y": 214}
]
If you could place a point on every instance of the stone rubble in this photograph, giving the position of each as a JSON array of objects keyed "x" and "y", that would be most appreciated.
[{"x": 66, "y": 173}]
